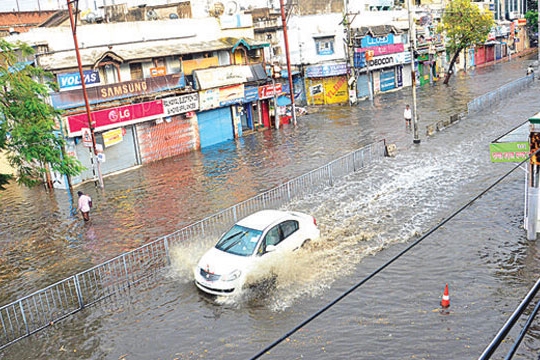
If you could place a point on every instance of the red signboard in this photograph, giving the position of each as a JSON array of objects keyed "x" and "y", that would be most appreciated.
[
  {"x": 114, "y": 117},
  {"x": 383, "y": 49},
  {"x": 267, "y": 91}
]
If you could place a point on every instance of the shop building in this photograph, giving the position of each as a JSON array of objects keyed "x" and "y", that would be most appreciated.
[{"x": 148, "y": 96}]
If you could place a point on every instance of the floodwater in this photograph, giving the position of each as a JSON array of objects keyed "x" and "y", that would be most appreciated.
[{"x": 482, "y": 253}]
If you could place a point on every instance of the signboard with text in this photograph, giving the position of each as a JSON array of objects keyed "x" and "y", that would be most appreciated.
[
  {"x": 509, "y": 152},
  {"x": 73, "y": 79},
  {"x": 180, "y": 104},
  {"x": 70, "y": 99},
  {"x": 368, "y": 41},
  {"x": 268, "y": 91},
  {"x": 114, "y": 117},
  {"x": 318, "y": 71}
]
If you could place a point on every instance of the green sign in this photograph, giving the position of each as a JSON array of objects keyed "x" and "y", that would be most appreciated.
[{"x": 509, "y": 152}]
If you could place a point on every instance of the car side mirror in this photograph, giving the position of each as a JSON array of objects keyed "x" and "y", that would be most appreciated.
[{"x": 270, "y": 248}]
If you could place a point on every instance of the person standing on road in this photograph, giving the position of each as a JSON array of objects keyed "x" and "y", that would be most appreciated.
[
  {"x": 407, "y": 114},
  {"x": 85, "y": 203}
]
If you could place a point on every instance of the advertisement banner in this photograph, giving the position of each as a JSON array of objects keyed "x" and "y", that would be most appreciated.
[
  {"x": 180, "y": 104},
  {"x": 209, "y": 99},
  {"x": 73, "y": 79},
  {"x": 113, "y": 137},
  {"x": 251, "y": 94},
  {"x": 268, "y": 91},
  {"x": 158, "y": 71},
  {"x": 114, "y": 117},
  {"x": 336, "y": 90},
  {"x": 70, "y": 99},
  {"x": 383, "y": 49},
  {"x": 318, "y": 71},
  {"x": 509, "y": 152},
  {"x": 369, "y": 41},
  {"x": 231, "y": 95}
]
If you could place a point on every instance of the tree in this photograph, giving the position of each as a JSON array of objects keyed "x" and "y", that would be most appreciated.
[
  {"x": 463, "y": 25},
  {"x": 532, "y": 24},
  {"x": 29, "y": 132}
]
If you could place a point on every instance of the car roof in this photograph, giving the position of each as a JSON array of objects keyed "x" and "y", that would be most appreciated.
[{"x": 261, "y": 219}]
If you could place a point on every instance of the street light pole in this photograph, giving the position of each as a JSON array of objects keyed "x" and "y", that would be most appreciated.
[
  {"x": 93, "y": 151},
  {"x": 412, "y": 47}
]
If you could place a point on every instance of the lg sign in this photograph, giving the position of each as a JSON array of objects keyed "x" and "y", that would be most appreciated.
[{"x": 115, "y": 115}]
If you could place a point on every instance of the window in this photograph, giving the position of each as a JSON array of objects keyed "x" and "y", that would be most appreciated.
[
  {"x": 136, "y": 71},
  {"x": 288, "y": 227},
  {"x": 324, "y": 45},
  {"x": 273, "y": 236},
  {"x": 109, "y": 73}
]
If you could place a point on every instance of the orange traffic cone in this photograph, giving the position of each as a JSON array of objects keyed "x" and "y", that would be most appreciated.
[{"x": 445, "y": 302}]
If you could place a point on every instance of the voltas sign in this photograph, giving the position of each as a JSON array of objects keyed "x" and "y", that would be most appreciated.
[
  {"x": 69, "y": 80},
  {"x": 70, "y": 99}
]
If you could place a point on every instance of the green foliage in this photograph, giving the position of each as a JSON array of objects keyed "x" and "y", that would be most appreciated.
[
  {"x": 464, "y": 25},
  {"x": 29, "y": 133},
  {"x": 532, "y": 20}
]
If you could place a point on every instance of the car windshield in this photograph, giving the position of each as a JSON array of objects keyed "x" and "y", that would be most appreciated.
[{"x": 239, "y": 240}]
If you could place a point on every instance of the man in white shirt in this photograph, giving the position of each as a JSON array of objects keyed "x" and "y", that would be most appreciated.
[{"x": 407, "y": 114}]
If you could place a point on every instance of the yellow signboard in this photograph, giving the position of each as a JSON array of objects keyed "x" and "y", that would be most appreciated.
[
  {"x": 205, "y": 63},
  {"x": 325, "y": 91},
  {"x": 113, "y": 137}
]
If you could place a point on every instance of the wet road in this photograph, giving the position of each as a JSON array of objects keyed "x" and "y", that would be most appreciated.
[{"x": 483, "y": 253}]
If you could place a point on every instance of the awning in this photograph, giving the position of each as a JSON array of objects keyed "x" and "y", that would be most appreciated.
[{"x": 20, "y": 65}]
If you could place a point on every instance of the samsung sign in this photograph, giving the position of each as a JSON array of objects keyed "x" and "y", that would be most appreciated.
[{"x": 69, "y": 80}]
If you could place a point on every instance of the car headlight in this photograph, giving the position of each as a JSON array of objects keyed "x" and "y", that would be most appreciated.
[{"x": 232, "y": 276}]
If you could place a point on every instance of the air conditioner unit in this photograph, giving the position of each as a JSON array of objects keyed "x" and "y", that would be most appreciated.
[{"x": 512, "y": 15}]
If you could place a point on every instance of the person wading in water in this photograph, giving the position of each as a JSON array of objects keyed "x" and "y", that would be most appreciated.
[{"x": 85, "y": 203}]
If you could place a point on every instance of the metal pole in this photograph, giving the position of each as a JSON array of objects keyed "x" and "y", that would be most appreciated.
[
  {"x": 369, "y": 82},
  {"x": 85, "y": 94},
  {"x": 286, "y": 40},
  {"x": 412, "y": 41},
  {"x": 532, "y": 202}
]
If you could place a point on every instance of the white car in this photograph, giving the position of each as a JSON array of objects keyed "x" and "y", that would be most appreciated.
[{"x": 223, "y": 269}]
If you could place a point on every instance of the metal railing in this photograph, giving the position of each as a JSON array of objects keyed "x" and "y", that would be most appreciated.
[
  {"x": 36, "y": 311},
  {"x": 481, "y": 103},
  {"x": 493, "y": 97}
]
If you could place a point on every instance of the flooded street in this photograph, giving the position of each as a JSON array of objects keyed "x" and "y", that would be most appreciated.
[{"x": 482, "y": 253}]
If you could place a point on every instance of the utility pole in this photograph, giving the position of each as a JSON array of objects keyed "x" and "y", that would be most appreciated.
[
  {"x": 93, "y": 151},
  {"x": 412, "y": 47},
  {"x": 287, "y": 56}
]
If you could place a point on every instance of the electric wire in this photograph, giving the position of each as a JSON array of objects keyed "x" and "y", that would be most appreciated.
[{"x": 387, "y": 264}]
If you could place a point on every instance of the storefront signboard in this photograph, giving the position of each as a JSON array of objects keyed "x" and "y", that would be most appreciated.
[
  {"x": 515, "y": 152},
  {"x": 71, "y": 99},
  {"x": 369, "y": 41},
  {"x": 113, "y": 137},
  {"x": 115, "y": 117},
  {"x": 231, "y": 95},
  {"x": 180, "y": 104},
  {"x": 318, "y": 71},
  {"x": 73, "y": 79},
  {"x": 268, "y": 91},
  {"x": 209, "y": 99}
]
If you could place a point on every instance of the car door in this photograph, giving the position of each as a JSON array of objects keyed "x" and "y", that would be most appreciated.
[{"x": 291, "y": 236}]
